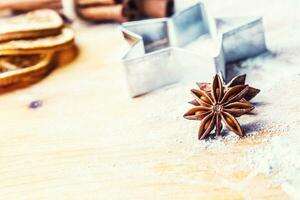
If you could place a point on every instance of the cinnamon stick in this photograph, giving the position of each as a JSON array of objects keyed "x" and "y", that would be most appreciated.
[
  {"x": 157, "y": 8},
  {"x": 104, "y": 13},
  {"x": 87, "y": 3}
]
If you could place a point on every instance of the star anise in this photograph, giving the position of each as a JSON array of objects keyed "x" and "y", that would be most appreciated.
[
  {"x": 219, "y": 104},
  {"x": 238, "y": 80}
]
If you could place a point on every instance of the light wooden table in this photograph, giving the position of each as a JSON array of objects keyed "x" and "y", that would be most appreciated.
[{"x": 89, "y": 140}]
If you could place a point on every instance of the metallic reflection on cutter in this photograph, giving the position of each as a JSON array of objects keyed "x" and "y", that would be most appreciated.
[{"x": 163, "y": 51}]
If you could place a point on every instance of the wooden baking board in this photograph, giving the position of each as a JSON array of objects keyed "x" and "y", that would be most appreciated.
[{"x": 87, "y": 140}]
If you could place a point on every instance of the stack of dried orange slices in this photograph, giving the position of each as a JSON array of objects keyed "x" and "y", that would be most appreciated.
[{"x": 28, "y": 43}]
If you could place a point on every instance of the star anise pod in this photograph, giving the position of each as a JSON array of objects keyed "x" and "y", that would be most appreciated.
[
  {"x": 219, "y": 105},
  {"x": 238, "y": 80}
]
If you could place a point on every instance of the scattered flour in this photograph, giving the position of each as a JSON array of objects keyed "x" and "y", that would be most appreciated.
[{"x": 278, "y": 75}]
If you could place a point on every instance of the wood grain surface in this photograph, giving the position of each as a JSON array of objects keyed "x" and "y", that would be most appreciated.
[{"x": 87, "y": 140}]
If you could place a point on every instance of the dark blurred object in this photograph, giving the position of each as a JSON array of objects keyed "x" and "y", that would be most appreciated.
[
  {"x": 29, "y": 5},
  {"x": 110, "y": 10},
  {"x": 35, "y": 104}
]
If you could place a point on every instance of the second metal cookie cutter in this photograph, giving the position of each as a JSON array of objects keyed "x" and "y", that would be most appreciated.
[{"x": 187, "y": 46}]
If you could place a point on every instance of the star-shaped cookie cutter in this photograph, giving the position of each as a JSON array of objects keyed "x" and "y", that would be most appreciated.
[{"x": 188, "y": 45}]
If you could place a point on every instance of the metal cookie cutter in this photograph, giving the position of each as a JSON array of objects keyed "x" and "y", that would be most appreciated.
[{"x": 187, "y": 46}]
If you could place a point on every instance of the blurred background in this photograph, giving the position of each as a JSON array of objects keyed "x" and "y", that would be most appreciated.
[{"x": 96, "y": 10}]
